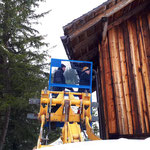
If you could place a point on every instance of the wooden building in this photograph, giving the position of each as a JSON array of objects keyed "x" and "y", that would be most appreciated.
[{"x": 116, "y": 37}]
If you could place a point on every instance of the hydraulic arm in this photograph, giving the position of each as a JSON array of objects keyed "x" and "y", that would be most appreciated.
[{"x": 71, "y": 131}]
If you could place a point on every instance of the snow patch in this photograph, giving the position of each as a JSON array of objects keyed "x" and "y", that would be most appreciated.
[{"x": 121, "y": 144}]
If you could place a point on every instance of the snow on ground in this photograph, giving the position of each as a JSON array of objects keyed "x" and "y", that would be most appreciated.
[
  {"x": 121, "y": 144},
  {"x": 57, "y": 142}
]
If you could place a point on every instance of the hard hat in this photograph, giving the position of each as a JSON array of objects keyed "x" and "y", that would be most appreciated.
[{"x": 85, "y": 68}]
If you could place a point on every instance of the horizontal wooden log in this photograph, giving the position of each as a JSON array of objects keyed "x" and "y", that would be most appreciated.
[
  {"x": 79, "y": 44},
  {"x": 129, "y": 14},
  {"x": 107, "y": 13},
  {"x": 89, "y": 55}
]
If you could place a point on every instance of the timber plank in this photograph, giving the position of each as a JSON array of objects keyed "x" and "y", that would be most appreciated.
[
  {"x": 145, "y": 33},
  {"x": 129, "y": 14},
  {"x": 103, "y": 88},
  {"x": 109, "y": 90},
  {"x": 137, "y": 75},
  {"x": 125, "y": 78},
  {"x": 148, "y": 17},
  {"x": 131, "y": 81},
  {"x": 143, "y": 40},
  {"x": 117, "y": 82}
]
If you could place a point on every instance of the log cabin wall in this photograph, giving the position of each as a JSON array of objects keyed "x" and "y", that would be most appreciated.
[
  {"x": 115, "y": 36},
  {"x": 124, "y": 59}
]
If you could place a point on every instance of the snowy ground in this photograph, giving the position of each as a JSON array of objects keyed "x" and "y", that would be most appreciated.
[{"x": 121, "y": 144}]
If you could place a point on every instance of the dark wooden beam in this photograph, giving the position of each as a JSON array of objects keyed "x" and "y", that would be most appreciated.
[
  {"x": 107, "y": 13},
  {"x": 105, "y": 28},
  {"x": 89, "y": 54},
  {"x": 88, "y": 38},
  {"x": 129, "y": 14},
  {"x": 87, "y": 41}
]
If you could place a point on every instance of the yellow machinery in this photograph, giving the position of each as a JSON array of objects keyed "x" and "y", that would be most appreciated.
[{"x": 71, "y": 131}]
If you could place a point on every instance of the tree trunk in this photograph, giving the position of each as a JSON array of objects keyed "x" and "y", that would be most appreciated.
[
  {"x": 4, "y": 132},
  {"x": 7, "y": 91}
]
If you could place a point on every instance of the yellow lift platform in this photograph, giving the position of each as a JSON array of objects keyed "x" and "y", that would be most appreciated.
[{"x": 71, "y": 131}]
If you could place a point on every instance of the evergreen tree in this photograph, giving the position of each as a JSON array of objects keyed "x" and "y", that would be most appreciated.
[{"x": 21, "y": 72}]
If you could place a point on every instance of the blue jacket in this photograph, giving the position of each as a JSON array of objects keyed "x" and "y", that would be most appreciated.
[
  {"x": 84, "y": 80},
  {"x": 59, "y": 78}
]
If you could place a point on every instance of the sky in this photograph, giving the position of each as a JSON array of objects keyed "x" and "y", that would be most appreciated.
[{"x": 62, "y": 12}]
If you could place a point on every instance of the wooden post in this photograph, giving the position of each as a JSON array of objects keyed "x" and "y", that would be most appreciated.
[
  {"x": 131, "y": 81},
  {"x": 145, "y": 31},
  {"x": 148, "y": 55},
  {"x": 108, "y": 89},
  {"x": 136, "y": 71},
  {"x": 102, "y": 127},
  {"x": 125, "y": 78},
  {"x": 148, "y": 17},
  {"x": 117, "y": 82},
  {"x": 103, "y": 88},
  {"x": 143, "y": 45}
]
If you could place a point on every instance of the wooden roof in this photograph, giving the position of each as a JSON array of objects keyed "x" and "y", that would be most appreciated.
[{"x": 81, "y": 36}]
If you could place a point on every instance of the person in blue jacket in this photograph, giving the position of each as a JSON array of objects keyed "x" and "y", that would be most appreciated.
[
  {"x": 84, "y": 79},
  {"x": 59, "y": 78}
]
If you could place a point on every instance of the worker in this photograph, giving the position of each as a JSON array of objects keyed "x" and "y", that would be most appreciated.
[
  {"x": 84, "y": 79},
  {"x": 60, "y": 79}
]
